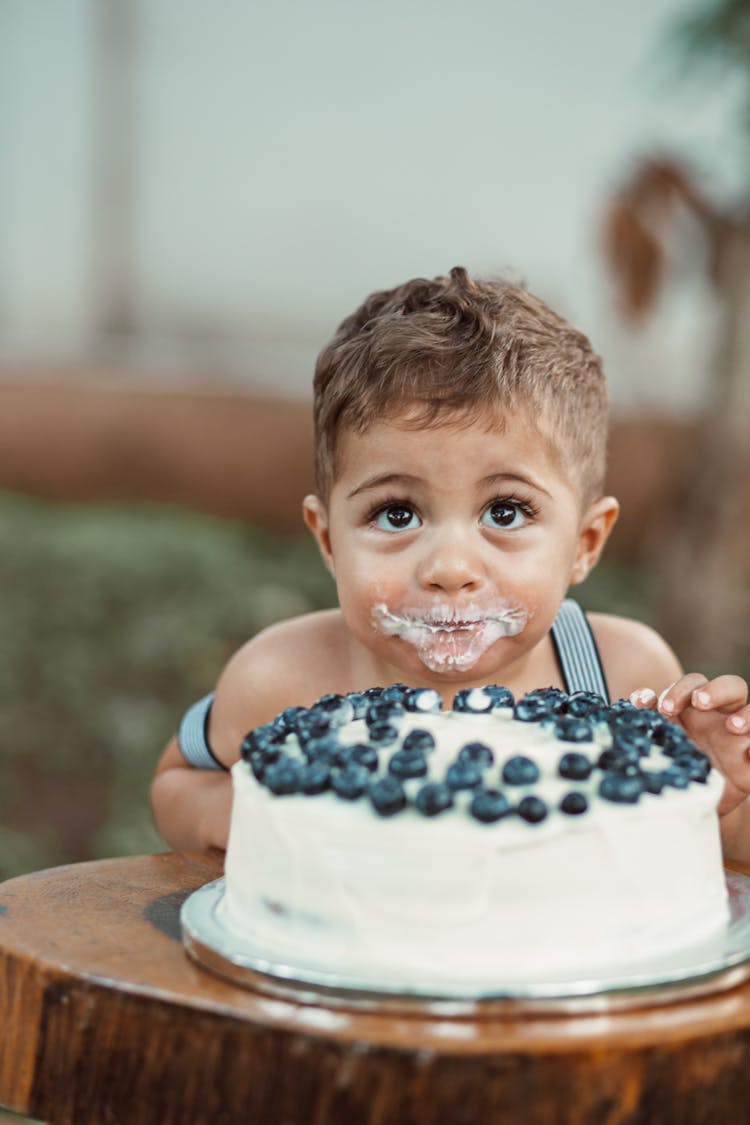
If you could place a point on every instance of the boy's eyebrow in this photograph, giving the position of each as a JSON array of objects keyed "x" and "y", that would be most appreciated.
[
  {"x": 519, "y": 478},
  {"x": 381, "y": 479}
]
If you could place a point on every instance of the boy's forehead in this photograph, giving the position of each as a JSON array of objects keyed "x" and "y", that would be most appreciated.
[{"x": 406, "y": 431}]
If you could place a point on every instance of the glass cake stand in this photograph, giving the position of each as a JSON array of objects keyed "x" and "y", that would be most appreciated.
[{"x": 712, "y": 966}]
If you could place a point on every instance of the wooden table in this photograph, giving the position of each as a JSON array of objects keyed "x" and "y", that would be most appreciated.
[{"x": 104, "y": 1019}]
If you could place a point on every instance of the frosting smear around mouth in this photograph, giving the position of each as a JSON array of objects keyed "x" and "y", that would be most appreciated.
[{"x": 448, "y": 638}]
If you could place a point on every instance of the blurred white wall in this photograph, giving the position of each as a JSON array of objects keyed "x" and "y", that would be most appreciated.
[{"x": 215, "y": 184}]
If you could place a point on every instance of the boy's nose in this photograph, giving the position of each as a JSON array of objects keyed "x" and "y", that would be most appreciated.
[{"x": 451, "y": 565}]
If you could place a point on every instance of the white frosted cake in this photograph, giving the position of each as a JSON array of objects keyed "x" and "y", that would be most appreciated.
[{"x": 378, "y": 837}]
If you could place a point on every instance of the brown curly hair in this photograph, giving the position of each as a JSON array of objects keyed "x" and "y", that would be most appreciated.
[{"x": 462, "y": 346}]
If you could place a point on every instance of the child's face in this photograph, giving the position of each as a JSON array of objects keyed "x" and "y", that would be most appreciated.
[{"x": 453, "y": 547}]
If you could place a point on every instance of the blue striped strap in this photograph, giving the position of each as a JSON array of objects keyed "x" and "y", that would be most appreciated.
[
  {"x": 192, "y": 736},
  {"x": 577, "y": 652}
]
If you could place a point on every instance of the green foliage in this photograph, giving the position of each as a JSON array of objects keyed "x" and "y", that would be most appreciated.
[{"x": 112, "y": 621}]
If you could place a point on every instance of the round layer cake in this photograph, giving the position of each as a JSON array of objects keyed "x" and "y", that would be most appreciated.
[{"x": 382, "y": 838}]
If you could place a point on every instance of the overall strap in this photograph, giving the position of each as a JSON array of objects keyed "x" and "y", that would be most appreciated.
[{"x": 576, "y": 651}]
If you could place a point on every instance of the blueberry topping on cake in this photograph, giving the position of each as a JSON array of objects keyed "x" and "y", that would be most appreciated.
[
  {"x": 502, "y": 697},
  {"x": 477, "y": 752},
  {"x": 574, "y": 803},
  {"x": 423, "y": 701},
  {"x": 489, "y": 805},
  {"x": 621, "y": 790},
  {"x": 387, "y": 796},
  {"x": 383, "y": 711},
  {"x": 383, "y": 734},
  {"x": 360, "y": 754},
  {"x": 418, "y": 740},
  {"x": 568, "y": 729},
  {"x": 374, "y": 742},
  {"x": 284, "y": 776},
  {"x": 434, "y": 798},
  {"x": 408, "y": 763},
  {"x": 477, "y": 701},
  {"x": 532, "y": 809},
  {"x": 351, "y": 781},
  {"x": 316, "y": 778},
  {"x": 520, "y": 771},
  {"x": 574, "y": 766},
  {"x": 532, "y": 709},
  {"x": 463, "y": 775}
]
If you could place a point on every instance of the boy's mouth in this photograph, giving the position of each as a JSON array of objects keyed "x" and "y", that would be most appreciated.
[{"x": 447, "y": 638}]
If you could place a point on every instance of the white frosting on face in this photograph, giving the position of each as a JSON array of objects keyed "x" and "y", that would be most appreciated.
[{"x": 448, "y": 638}]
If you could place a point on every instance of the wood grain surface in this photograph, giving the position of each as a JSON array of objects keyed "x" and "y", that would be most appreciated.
[{"x": 104, "y": 1019}]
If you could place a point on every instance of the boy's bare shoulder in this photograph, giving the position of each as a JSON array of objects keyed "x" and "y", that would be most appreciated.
[
  {"x": 633, "y": 654},
  {"x": 290, "y": 663}
]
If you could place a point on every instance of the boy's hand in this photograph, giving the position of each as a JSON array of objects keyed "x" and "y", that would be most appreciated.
[{"x": 716, "y": 716}]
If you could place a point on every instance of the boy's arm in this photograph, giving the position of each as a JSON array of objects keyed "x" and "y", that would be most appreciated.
[
  {"x": 282, "y": 666},
  {"x": 191, "y": 807}
]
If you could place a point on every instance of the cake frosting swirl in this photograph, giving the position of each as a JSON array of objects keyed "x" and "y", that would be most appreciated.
[{"x": 381, "y": 837}]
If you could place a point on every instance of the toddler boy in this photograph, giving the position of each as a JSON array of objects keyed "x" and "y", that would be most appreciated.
[{"x": 461, "y": 431}]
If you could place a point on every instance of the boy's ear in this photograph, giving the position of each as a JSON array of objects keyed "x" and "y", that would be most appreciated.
[
  {"x": 596, "y": 526},
  {"x": 316, "y": 518}
]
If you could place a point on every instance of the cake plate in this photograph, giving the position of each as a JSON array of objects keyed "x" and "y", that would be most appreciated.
[{"x": 712, "y": 966}]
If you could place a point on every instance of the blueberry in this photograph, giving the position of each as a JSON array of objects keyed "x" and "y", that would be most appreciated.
[
  {"x": 631, "y": 740},
  {"x": 573, "y": 730},
  {"x": 433, "y": 798},
  {"x": 675, "y": 777},
  {"x": 351, "y": 781},
  {"x": 408, "y": 763},
  {"x": 321, "y": 749},
  {"x": 532, "y": 809},
  {"x": 574, "y": 766},
  {"x": 338, "y": 709},
  {"x": 520, "y": 771},
  {"x": 257, "y": 760},
  {"x": 358, "y": 701},
  {"x": 383, "y": 734},
  {"x": 284, "y": 777},
  {"x": 621, "y": 790},
  {"x": 316, "y": 777},
  {"x": 418, "y": 740},
  {"x": 574, "y": 803},
  {"x": 311, "y": 724},
  {"x": 670, "y": 738},
  {"x": 653, "y": 782},
  {"x": 477, "y": 701},
  {"x": 620, "y": 762},
  {"x": 360, "y": 754},
  {"x": 395, "y": 693},
  {"x": 264, "y": 738},
  {"x": 532, "y": 709},
  {"x": 489, "y": 805},
  {"x": 383, "y": 711},
  {"x": 476, "y": 752},
  {"x": 387, "y": 796},
  {"x": 582, "y": 704},
  {"x": 286, "y": 720},
  {"x": 501, "y": 696},
  {"x": 633, "y": 720},
  {"x": 423, "y": 701},
  {"x": 698, "y": 767},
  {"x": 463, "y": 775}
]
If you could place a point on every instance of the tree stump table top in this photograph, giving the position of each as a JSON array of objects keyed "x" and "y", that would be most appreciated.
[{"x": 104, "y": 1018}]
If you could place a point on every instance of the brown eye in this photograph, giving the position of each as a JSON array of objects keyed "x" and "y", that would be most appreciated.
[
  {"x": 504, "y": 514},
  {"x": 397, "y": 517}
]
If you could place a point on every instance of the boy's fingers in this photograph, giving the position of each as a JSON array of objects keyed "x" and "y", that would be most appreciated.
[
  {"x": 678, "y": 695},
  {"x": 739, "y": 722},
  {"x": 729, "y": 692},
  {"x": 643, "y": 697}
]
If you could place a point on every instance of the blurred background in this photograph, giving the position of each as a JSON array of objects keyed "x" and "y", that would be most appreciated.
[{"x": 193, "y": 194}]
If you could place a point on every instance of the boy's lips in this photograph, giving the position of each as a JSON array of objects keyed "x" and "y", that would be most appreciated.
[{"x": 449, "y": 638}]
